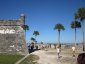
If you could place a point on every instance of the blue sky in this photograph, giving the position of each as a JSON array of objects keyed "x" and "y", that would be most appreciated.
[{"x": 42, "y": 15}]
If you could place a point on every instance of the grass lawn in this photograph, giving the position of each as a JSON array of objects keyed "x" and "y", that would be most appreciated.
[
  {"x": 31, "y": 59},
  {"x": 9, "y": 58}
]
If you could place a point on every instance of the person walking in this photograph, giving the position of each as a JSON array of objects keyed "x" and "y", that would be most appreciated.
[
  {"x": 58, "y": 51},
  {"x": 73, "y": 49}
]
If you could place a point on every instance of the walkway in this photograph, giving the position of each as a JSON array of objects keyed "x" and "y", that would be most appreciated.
[{"x": 52, "y": 59}]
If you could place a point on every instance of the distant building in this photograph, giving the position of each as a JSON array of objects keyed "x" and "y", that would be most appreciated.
[{"x": 12, "y": 37}]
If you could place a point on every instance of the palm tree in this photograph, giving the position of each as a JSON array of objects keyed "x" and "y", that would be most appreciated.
[
  {"x": 59, "y": 27},
  {"x": 36, "y": 33},
  {"x": 33, "y": 39},
  {"x": 25, "y": 27},
  {"x": 74, "y": 25},
  {"x": 80, "y": 14}
]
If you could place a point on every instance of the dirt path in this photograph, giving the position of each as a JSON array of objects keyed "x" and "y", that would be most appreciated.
[
  {"x": 46, "y": 58},
  {"x": 52, "y": 59}
]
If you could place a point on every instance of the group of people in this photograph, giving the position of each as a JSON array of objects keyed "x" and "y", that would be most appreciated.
[
  {"x": 80, "y": 58},
  {"x": 59, "y": 50},
  {"x": 32, "y": 47}
]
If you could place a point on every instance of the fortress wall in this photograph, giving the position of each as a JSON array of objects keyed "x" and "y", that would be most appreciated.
[{"x": 12, "y": 37}]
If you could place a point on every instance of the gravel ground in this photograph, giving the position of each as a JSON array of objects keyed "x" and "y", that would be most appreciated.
[{"x": 47, "y": 58}]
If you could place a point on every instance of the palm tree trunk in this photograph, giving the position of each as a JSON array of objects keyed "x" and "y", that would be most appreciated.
[
  {"x": 25, "y": 35},
  {"x": 83, "y": 35},
  {"x": 75, "y": 37},
  {"x": 35, "y": 37},
  {"x": 58, "y": 36},
  {"x": 35, "y": 41}
]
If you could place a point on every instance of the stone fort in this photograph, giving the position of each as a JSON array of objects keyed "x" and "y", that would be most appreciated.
[{"x": 12, "y": 36}]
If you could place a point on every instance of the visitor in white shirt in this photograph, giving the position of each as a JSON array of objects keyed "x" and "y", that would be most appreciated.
[
  {"x": 73, "y": 49},
  {"x": 58, "y": 52}
]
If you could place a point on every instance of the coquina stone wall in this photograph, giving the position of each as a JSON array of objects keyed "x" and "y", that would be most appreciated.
[{"x": 12, "y": 36}]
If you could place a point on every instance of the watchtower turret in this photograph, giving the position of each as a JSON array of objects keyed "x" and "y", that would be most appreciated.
[{"x": 22, "y": 19}]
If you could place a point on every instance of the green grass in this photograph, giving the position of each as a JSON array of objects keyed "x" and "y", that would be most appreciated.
[
  {"x": 31, "y": 59},
  {"x": 9, "y": 58}
]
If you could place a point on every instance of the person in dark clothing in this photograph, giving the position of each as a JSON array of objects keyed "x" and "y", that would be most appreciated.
[
  {"x": 81, "y": 58},
  {"x": 32, "y": 48},
  {"x": 29, "y": 49}
]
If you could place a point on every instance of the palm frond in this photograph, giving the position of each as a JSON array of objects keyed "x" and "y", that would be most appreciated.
[
  {"x": 80, "y": 14},
  {"x": 32, "y": 38},
  {"x": 36, "y": 33},
  {"x": 75, "y": 24},
  {"x": 25, "y": 27},
  {"x": 59, "y": 27}
]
